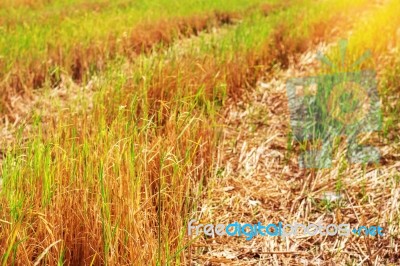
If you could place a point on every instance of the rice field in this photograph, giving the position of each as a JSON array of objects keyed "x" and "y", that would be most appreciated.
[{"x": 120, "y": 121}]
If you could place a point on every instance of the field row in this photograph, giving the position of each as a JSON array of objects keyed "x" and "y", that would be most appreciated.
[{"x": 111, "y": 176}]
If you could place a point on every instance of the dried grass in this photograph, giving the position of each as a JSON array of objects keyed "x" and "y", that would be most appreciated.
[{"x": 259, "y": 180}]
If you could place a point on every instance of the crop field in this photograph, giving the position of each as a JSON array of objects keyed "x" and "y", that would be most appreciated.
[{"x": 126, "y": 124}]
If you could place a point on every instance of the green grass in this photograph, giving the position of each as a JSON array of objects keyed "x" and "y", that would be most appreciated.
[{"x": 28, "y": 34}]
